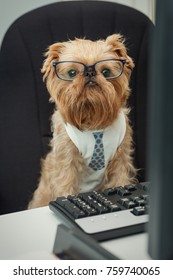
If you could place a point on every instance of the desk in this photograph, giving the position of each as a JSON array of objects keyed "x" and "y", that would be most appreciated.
[{"x": 30, "y": 234}]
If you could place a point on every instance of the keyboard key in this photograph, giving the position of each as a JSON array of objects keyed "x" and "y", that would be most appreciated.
[
  {"x": 140, "y": 210},
  {"x": 141, "y": 202},
  {"x": 79, "y": 214},
  {"x": 110, "y": 191},
  {"x": 62, "y": 200},
  {"x": 135, "y": 198},
  {"x": 71, "y": 197},
  {"x": 89, "y": 211},
  {"x": 88, "y": 199},
  {"x": 122, "y": 191},
  {"x": 113, "y": 207},
  {"x": 99, "y": 197},
  {"x": 129, "y": 204},
  {"x": 145, "y": 196},
  {"x": 78, "y": 202},
  {"x": 107, "y": 203},
  {"x": 122, "y": 201},
  {"x": 86, "y": 196},
  {"x": 130, "y": 187},
  {"x": 100, "y": 208}
]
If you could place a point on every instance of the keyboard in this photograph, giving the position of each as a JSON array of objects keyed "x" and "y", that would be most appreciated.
[{"x": 113, "y": 213}]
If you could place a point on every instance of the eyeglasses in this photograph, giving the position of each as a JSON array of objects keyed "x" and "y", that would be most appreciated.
[{"x": 69, "y": 70}]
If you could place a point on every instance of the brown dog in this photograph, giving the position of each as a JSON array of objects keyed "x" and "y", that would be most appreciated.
[{"x": 91, "y": 147}]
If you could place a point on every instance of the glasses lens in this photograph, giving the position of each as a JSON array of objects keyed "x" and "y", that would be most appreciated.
[
  {"x": 109, "y": 68},
  {"x": 69, "y": 70}
]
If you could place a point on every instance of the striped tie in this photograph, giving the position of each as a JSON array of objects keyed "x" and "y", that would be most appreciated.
[{"x": 98, "y": 160}]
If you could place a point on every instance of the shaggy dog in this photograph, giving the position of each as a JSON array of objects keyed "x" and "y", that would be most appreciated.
[{"x": 92, "y": 146}]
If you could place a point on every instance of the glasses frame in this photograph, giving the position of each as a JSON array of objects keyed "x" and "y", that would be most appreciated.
[{"x": 91, "y": 67}]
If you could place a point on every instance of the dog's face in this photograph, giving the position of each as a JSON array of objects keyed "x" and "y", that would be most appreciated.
[{"x": 89, "y": 98}]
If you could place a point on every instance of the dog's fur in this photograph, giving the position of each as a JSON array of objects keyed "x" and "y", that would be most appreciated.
[{"x": 87, "y": 108}]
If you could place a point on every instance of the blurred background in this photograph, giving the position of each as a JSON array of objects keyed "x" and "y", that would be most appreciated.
[{"x": 11, "y": 10}]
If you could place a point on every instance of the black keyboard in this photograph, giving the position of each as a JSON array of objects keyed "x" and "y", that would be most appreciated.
[{"x": 115, "y": 212}]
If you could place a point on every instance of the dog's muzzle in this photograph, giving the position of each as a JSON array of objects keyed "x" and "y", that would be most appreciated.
[{"x": 90, "y": 82}]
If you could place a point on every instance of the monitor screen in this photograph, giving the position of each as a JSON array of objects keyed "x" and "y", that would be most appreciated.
[{"x": 160, "y": 141}]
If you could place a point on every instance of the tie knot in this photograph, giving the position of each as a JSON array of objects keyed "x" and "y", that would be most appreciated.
[{"x": 98, "y": 135}]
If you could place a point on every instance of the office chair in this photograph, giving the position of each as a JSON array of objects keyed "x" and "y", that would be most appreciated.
[{"x": 24, "y": 101}]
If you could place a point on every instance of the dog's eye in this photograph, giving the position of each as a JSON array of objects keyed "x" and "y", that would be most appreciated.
[
  {"x": 106, "y": 72},
  {"x": 72, "y": 73}
]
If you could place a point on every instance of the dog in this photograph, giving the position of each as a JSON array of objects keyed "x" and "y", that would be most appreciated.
[{"x": 92, "y": 147}]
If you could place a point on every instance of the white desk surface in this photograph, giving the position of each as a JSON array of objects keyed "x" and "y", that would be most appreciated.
[{"x": 30, "y": 234}]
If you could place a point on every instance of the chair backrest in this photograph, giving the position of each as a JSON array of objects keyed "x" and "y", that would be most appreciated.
[{"x": 24, "y": 102}]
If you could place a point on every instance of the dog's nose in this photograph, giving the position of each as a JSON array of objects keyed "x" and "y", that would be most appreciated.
[{"x": 90, "y": 74}]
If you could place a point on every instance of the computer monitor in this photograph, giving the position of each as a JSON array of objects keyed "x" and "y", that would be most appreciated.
[{"x": 160, "y": 151}]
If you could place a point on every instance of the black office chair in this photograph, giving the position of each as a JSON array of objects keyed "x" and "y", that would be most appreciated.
[{"x": 24, "y": 102}]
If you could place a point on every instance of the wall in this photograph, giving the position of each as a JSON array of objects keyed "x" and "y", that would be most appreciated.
[{"x": 10, "y": 10}]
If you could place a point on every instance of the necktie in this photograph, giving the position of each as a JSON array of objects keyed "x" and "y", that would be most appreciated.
[{"x": 98, "y": 161}]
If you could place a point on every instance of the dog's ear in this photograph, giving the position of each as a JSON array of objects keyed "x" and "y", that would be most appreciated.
[
  {"x": 116, "y": 43},
  {"x": 52, "y": 54}
]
